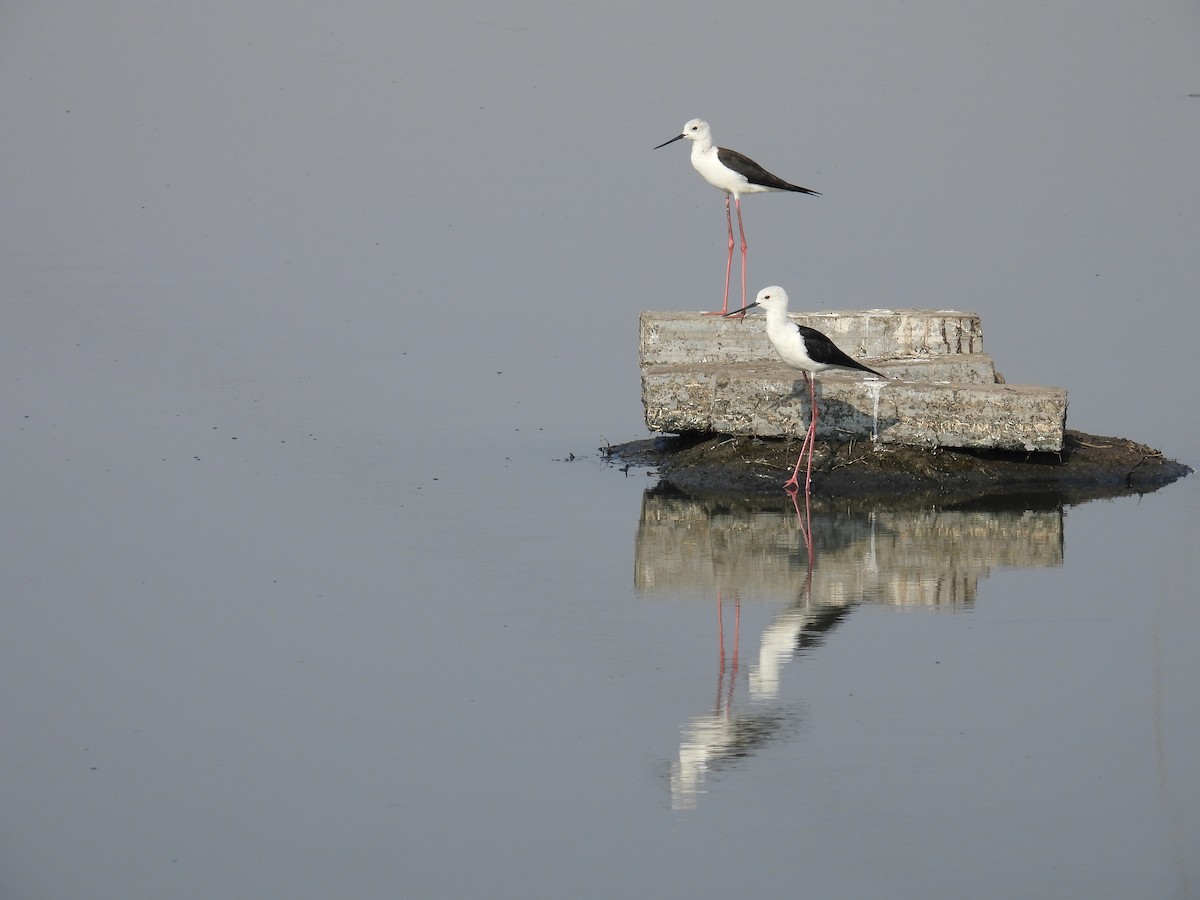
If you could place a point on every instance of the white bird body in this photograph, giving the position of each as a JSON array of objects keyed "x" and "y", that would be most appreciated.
[
  {"x": 805, "y": 349},
  {"x": 727, "y": 170},
  {"x": 734, "y": 174},
  {"x": 799, "y": 346}
]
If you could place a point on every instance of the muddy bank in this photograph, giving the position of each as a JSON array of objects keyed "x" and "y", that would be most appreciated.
[{"x": 1087, "y": 467}]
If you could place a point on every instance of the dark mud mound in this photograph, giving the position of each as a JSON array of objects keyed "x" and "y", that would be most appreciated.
[{"x": 1087, "y": 467}]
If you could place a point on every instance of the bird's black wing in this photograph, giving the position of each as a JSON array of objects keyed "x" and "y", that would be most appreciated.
[
  {"x": 756, "y": 174},
  {"x": 821, "y": 349}
]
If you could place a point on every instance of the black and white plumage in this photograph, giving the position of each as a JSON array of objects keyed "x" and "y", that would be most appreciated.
[
  {"x": 805, "y": 349},
  {"x": 735, "y": 174},
  {"x": 727, "y": 170}
]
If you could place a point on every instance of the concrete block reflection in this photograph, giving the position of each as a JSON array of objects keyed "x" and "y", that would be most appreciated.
[
  {"x": 816, "y": 565},
  {"x": 928, "y": 557}
]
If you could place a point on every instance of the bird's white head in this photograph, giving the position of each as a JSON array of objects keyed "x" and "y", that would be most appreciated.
[
  {"x": 772, "y": 298},
  {"x": 694, "y": 130}
]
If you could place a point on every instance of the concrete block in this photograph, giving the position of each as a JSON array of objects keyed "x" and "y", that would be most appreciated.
[
  {"x": 707, "y": 373},
  {"x": 680, "y": 337},
  {"x": 769, "y": 400},
  {"x": 963, "y": 368}
]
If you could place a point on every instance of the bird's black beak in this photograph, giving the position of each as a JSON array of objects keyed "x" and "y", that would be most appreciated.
[
  {"x": 742, "y": 311},
  {"x": 678, "y": 137}
]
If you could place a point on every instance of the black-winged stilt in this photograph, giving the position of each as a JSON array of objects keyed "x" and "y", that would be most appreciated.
[
  {"x": 805, "y": 349},
  {"x": 735, "y": 174}
]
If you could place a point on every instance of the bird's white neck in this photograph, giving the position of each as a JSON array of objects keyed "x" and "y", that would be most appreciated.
[
  {"x": 702, "y": 148},
  {"x": 777, "y": 317}
]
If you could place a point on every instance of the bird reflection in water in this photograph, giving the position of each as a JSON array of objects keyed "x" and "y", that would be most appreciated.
[
  {"x": 930, "y": 558},
  {"x": 716, "y": 740}
]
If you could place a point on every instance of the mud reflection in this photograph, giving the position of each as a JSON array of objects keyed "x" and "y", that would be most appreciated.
[{"x": 814, "y": 564}]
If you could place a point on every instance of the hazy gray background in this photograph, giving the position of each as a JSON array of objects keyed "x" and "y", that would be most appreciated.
[
  {"x": 472, "y": 185},
  {"x": 305, "y": 302}
]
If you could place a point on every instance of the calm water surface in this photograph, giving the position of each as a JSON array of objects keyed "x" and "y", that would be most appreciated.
[
  {"x": 265, "y": 673},
  {"x": 307, "y": 307}
]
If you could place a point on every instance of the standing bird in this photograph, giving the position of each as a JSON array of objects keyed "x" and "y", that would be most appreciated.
[
  {"x": 805, "y": 349},
  {"x": 735, "y": 174}
]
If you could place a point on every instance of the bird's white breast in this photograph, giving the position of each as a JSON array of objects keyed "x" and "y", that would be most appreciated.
[
  {"x": 705, "y": 161},
  {"x": 789, "y": 344}
]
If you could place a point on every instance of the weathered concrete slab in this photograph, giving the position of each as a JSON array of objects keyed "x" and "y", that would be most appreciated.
[
  {"x": 679, "y": 337},
  {"x": 963, "y": 368},
  {"x": 769, "y": 400},
  {"x": 707, "y": 373}
]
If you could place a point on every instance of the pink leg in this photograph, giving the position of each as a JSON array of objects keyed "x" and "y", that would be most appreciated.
[
  {"x": 812, "y": 444},
  {"x": 737, "y": 629},
  {"x": 737, "y": 201},
  {"x": 725, "y": 700},
  {"x": 793, "y": 483},
  {"x": 720, "y": 635},
  {"x": 804, "y": 519},
  {"x": 728, "y": 260}
]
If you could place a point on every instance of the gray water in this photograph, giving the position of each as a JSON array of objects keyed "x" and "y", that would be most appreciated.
[{"x": 317, "y": 584}]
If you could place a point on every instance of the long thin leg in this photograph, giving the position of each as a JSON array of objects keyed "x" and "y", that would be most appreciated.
[
  {"x": 793, "y": 483},
  {"x": 733, "y": 665},
  {"x": 805, "y": 521},
  {"x": 737, "y": 201},
  {"x": 725, "y": 699},
  {"x": 812, "y": 445},
  {"x": 728, "y": 261},
  {"x": 720, "y": 638}
]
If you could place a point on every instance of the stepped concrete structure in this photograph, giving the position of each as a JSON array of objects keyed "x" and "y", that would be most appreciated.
[{"x": 710, "y": 374}]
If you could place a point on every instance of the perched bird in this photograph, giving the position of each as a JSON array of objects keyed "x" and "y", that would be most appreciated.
[
  {"x": 805, "y": 349},
  {"x": 735, "y": 174}
]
